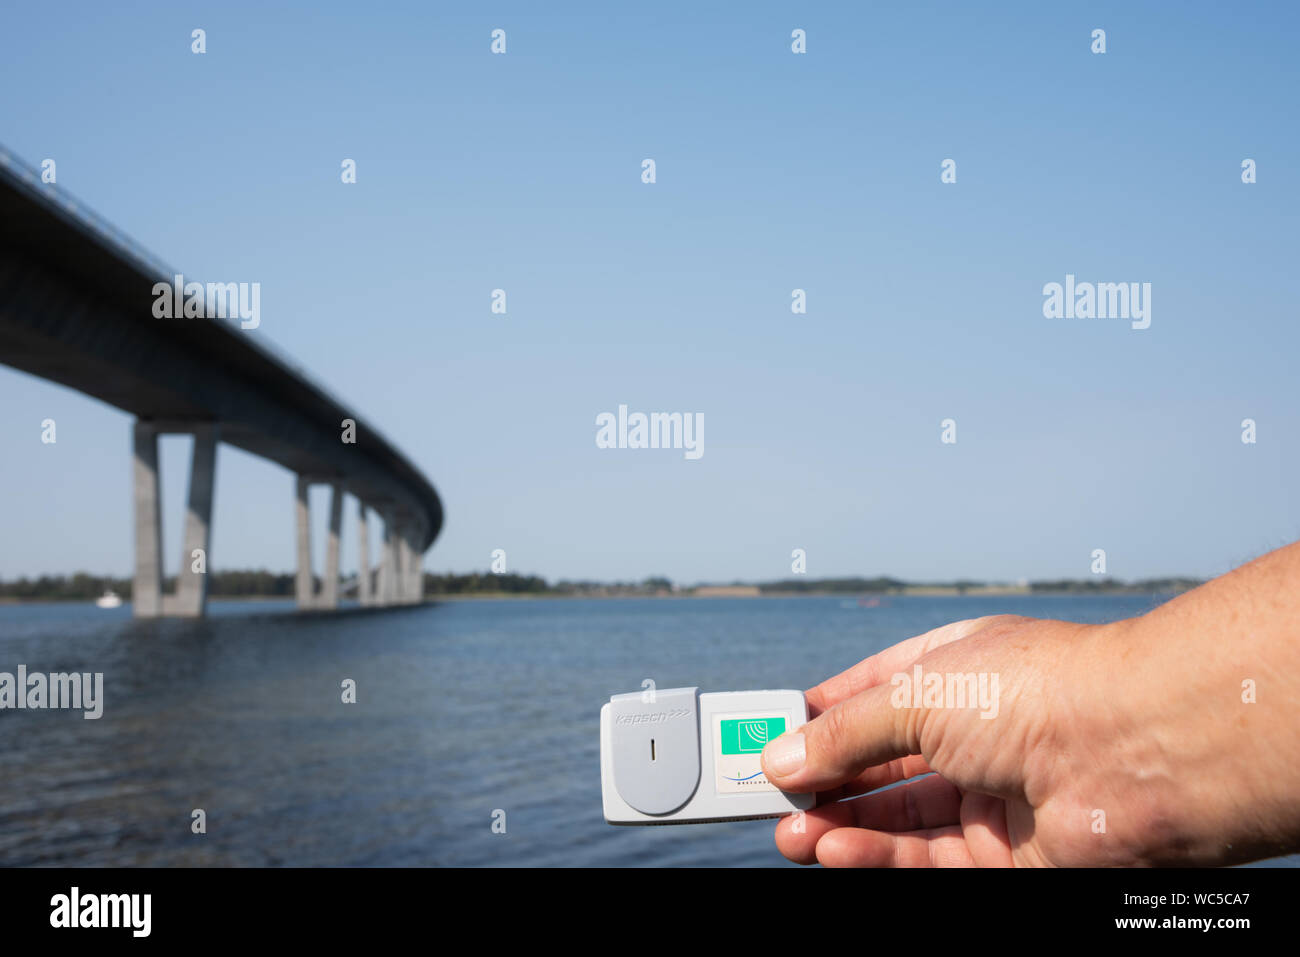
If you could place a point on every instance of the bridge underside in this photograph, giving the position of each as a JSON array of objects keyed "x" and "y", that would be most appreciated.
[{"x": 76, "y": 307}]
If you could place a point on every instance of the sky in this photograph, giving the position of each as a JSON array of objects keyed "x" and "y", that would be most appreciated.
[{"x": 774, "y": 171}]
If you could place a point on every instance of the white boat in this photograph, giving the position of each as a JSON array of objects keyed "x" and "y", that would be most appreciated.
[{"x": 108, "y": 600}]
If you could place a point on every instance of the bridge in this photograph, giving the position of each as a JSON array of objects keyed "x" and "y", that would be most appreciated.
[{"x": 79, "y": 306}]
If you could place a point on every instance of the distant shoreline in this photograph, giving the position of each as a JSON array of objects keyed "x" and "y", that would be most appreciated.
[
  {"x": 681, "y": 596},
  {"x": 263, "y": 585},
  {"x": 845, "y": 596}
]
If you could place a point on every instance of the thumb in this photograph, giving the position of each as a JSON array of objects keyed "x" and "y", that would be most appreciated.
[{"x": 843, "y": 741}]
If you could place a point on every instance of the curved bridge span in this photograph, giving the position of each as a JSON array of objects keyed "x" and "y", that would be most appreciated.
[{"x": 80, "y": 304}]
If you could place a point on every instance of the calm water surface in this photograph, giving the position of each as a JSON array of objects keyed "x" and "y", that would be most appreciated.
[{"x": 463, "y": 708}]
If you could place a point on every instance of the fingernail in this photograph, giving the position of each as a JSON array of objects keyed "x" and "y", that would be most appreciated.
[{"x": 785, "y": 755}]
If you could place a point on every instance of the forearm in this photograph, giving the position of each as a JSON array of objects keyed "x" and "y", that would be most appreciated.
[{"x": 1201, "y": 703}]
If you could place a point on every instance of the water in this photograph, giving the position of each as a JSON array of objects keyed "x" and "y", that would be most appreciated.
[{"x": 463, "y": 709}]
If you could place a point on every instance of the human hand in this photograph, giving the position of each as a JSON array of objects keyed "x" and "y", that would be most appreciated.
[{"x": 1094, "y": 752}]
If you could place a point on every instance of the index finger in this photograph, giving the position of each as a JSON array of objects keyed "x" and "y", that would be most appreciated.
[{"x": 881, "y": 666}]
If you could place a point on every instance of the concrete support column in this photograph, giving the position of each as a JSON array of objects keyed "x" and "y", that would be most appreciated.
[
  {"x": 192, "y": 585},
  {"x": 400, "y": 579},
  {"x": 363, "y": 557},
  {"x": 304, "y": 589},
  {"x": 381, "y": 574},
  {"x": 400, "y": 562},
  {"x": 415, "y": 593},
  {"x": 404, "y": 552},
  {"x": 330, "y": 585},
  {"x": 146, "y": 591},
  {"x": 403, "y": 562},
  {"x": 387, "y": 564}
]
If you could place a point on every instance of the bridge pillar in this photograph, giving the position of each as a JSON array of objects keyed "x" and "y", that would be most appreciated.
[
  {"x": 400, "y": 562},
  {"x": 381, "y": 572},
  {"x": 329, "y": 597},
  {"x": 304, "y": 589},
  {"x": 417, "y": 574},
  {"x": 404, "y": 554},
  {"x": 192, "y": 585},
  {"x": 388, "y": 563},
  {"x": 304, "y": 582},
  {"x": 363, "y": 557},
  {"x": 191, "y": 598},
  {"x": 146, "y": 591},
  {"x": 412, "y": 584}
]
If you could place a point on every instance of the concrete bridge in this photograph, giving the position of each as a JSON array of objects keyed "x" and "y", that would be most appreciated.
[{"x": 78, "y": 307}]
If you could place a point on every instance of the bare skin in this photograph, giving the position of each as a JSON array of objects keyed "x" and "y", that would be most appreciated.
[{"x": 1133, "y": 743}]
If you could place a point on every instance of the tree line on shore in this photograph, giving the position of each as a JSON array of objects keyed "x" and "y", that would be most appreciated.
[{"x": 261, "y": 583}]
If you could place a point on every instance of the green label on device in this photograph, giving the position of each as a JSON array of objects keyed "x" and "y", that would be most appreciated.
[{"x": 749, "y": 735}]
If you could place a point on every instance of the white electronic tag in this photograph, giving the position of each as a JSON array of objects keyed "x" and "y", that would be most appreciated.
[{"x": 681, "y": 757}]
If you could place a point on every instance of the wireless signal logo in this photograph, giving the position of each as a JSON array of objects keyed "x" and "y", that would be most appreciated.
[
  {"x": 753, "y": 735},
  {"x": 749, "y": 735}
]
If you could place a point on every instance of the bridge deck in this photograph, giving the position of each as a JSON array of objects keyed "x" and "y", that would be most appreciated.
[{"x": 76, "y": 307}]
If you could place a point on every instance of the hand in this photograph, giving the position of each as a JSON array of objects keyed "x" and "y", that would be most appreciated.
[
  {"x": 995, "y": 801},
  {"x": 1122, "y": 744}
]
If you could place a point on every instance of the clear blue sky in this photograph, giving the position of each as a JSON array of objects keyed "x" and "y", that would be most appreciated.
[{"x": 775, "y": 172}]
